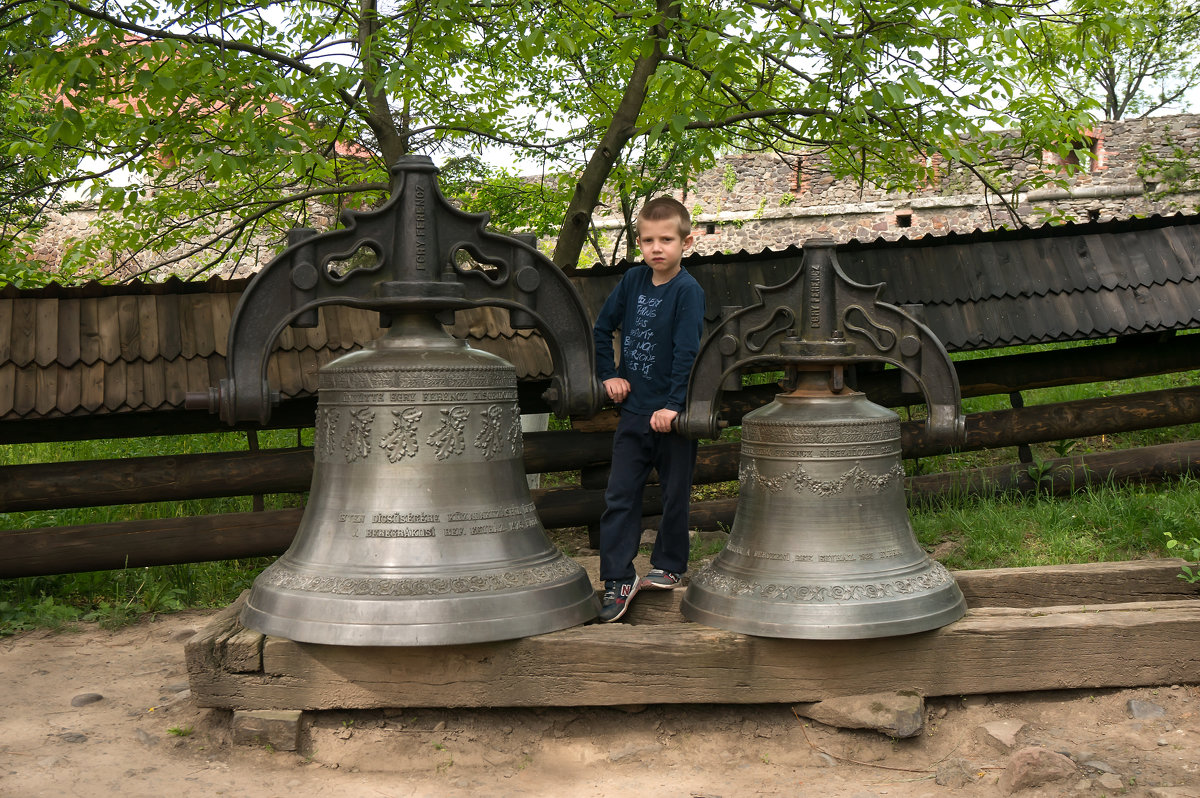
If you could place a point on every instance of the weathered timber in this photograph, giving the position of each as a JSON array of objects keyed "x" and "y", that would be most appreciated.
[
  {"x": 133, "y": 544},
  {"x": 61, "y": 485},
  {"x": 1138, "y": 357},
  {"x": 1002, "y": 374},
  {"x": 1141, "y": 356},
  {"x": 982, "y": 377},
  {"x": 994, "y": 429},
  {"x": 50, "y": 486},
  {"x": 1061, "y": 476},
  {"x": 1080, "y": 418},
  {"x": 222, "y": 536},
  {"x": 292, "y": 414},
  {"x": 69, "y": 549},
  {"x": 992, "y": 649},
  {"x": 1083, "y": 585},
  {"x": 44, "y": 486}
]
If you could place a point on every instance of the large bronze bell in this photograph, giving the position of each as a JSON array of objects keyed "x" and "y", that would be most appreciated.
[
  {"x": 420, "y": 529},
  {"x": 821, "y": 546}
]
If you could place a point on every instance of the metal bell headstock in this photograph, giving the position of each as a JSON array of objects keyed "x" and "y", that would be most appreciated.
[
  {"x": 821, "y": 317},
  {"x": 415, "y": 238}
]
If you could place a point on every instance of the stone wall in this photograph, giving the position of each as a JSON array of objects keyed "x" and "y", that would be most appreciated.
[{"x": 1137, "y": 167}]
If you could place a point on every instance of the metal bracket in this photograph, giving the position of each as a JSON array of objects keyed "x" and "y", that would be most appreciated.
[
  {"x": 416, "y": 238},
  {"x": 821, "y": 316}
]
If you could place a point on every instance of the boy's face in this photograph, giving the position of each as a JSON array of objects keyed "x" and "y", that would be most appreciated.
[{"x": 661, "y": 245}]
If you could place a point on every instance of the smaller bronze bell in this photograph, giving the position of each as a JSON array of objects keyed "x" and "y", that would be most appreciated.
[{"x": 821, "y": 546}]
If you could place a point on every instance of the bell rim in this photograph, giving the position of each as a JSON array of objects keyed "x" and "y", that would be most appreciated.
[
  {"x": 573, "y": 602},
  {"x": 845, "y": 628}
]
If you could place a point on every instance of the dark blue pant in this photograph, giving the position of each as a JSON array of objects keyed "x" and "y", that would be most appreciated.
[{"x": 636, "y": 450}]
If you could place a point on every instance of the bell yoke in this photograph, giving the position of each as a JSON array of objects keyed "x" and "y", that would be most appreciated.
[{"x": 420, "y": 528}]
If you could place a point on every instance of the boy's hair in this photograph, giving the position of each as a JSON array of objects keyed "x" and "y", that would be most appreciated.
[{"x": 661, "y": 208}]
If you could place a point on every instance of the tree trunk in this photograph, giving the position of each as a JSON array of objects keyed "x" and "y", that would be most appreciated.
[
  {"x": 392, "y": 142},
  {"x": 573, "y": 234}
]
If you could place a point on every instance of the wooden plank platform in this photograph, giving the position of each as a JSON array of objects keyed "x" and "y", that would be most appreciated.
[{"x": 1126, "y": 624}]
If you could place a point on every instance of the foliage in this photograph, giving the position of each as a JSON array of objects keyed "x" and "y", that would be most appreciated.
[
  {"x": 117, "y": 598},
  {"x": 234, "y": 120},
  {"x": 27, "y": 183},
  {"x": 1173, "y": 168},
  {"x": 1190, "y": 549},
  {"x": 1145, "y": 62}
]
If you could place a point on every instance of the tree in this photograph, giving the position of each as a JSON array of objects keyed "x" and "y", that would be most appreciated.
[
  {"x": 1148, "y": 61},
  {"x": 26, "y": 182},
  {"x": 242, "y": 117}
]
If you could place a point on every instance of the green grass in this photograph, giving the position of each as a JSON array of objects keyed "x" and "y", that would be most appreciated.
[
  {"x": 115, "y": 598},
  {"x": 1103, "y": 523}
]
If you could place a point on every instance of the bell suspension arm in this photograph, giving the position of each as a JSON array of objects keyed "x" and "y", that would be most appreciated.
[
  {"x": 415, "y": 237},
  {"x": 821, "y": 316}
]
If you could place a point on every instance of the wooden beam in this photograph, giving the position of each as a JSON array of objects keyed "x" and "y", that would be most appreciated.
[
  {"x": 223, "y": 536},
  {"x": 133, "y": 544},
  {"x": 227, "y": 536},
  {"x": 53, "y": 486},
  {"x": 175, "y": 478},
  {"x": 1001, "y": 374},
  {"x": 1060, "y": 477},
  {"x": 1082, "y": 585},
  {"x": 293, "y": 413},
  {"x": 979, "y": 377},
  {"x": 990, "y": 650},
  {"x": 1081, "y": 418},
  {"x": 94, "y": 483},
  {"x": 1064, "y": 475}
]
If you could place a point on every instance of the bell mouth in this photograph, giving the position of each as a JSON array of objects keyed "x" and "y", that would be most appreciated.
[{"x": 821, "y": 546}]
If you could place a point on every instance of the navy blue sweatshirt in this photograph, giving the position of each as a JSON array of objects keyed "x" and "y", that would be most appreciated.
[{"x": 660, "y": 335}]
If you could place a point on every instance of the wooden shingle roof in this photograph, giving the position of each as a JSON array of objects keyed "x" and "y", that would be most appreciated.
[
  {"x": 1060, "y": 283},
  {"x": 985, "y": 290},
  {"x": 141, "y": 347},
  {"x": 69, "y": 352}
]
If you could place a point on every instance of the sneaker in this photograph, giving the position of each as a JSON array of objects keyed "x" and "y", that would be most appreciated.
[
  {"x": 660, "y": 579},
  {"x": 617, "y": 595}
]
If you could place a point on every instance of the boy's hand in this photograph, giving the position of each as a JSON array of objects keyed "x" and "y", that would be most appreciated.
[
  {"x": 617, "y": 389},
  {"x": 661, "y": 420}
]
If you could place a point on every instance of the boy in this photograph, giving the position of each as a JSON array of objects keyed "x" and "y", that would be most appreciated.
[{"x": 659, "y": 309}]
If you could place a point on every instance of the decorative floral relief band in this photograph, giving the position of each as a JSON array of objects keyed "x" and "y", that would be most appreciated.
[
  {"x": 934, "y": 578},
  {"x": 561, "y": 568}
]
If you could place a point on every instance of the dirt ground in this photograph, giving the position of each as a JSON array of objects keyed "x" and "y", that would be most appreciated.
[{"x": 146, "y": 737}]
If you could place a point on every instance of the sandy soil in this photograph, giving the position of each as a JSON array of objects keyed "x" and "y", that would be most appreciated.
[{"x": 146, "y": 737}]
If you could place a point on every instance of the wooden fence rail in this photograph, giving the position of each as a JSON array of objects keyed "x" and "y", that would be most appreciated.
[
  {"x": 45, "y": 486},
  {"x": 67, "y": 549},
  {"x": 176, "y": 478}
]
